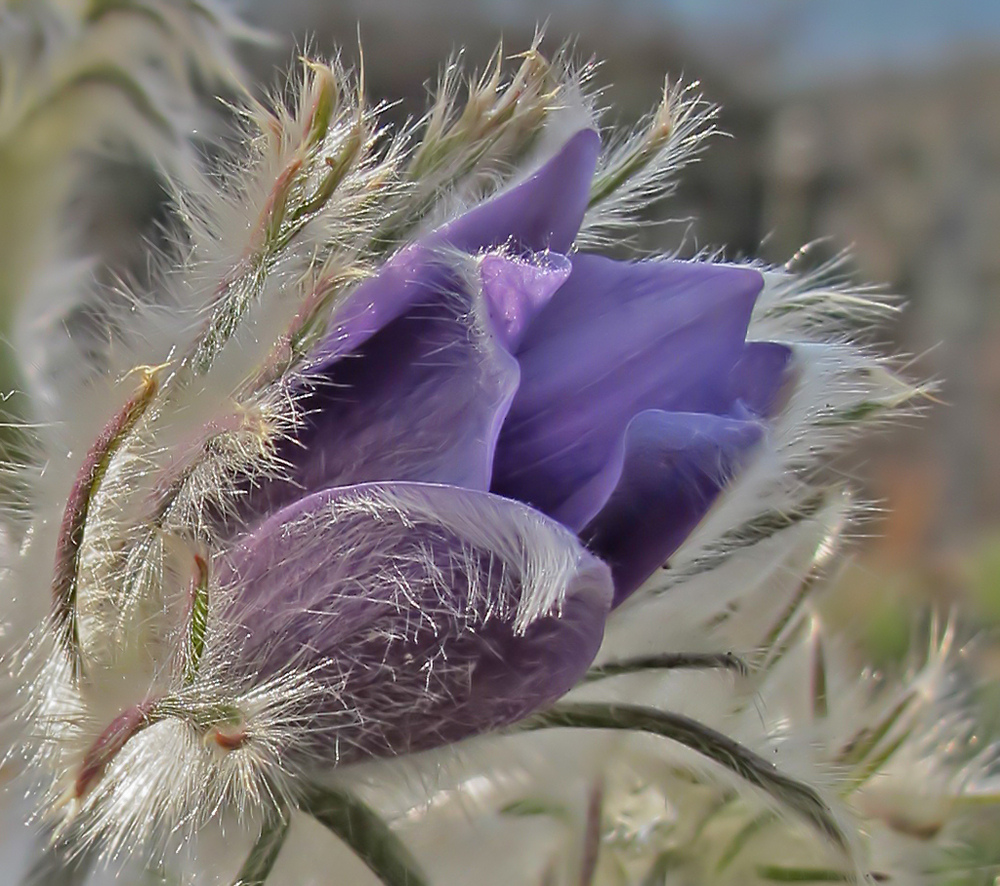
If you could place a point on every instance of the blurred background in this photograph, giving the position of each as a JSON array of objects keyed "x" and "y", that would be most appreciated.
[{"x": 871, "y": 127}]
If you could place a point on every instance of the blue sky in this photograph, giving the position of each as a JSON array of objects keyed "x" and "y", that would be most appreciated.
[
  {"x": 837, "y": 35},
  {"x": 810, "y": 40}
]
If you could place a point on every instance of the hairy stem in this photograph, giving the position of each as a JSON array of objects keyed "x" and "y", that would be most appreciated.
[
  {"x": 262, "y": 857},
  {"x": 669, "y": 661},
  {"x": 722, "y": 749},
  {"x": 74, "y": 521},
  {"x": 361, "y": 828}
]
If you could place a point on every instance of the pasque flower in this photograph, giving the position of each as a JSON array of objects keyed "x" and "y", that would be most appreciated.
[
  {"x": 391, "y": 457},
  {"x": 500, "y": 441}
]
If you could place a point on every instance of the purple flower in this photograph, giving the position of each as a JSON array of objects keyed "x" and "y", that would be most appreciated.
[{"x": 501, "y": 440}]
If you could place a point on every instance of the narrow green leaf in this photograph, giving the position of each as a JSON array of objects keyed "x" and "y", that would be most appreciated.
[
  {"x": 866, "y": 740},
  {"x": 776, "y": 650},
  {"x": 85, "y": 488},
  {"x": 644, "y": 151},
  {"x": 98, "y": 9},
  {"x": 876, "y": 763},
  {"x": 755, "y": 530},
  {"x": 818, "y": 683},
  {"x": 116, "y": 78},
  {"x": 531, "y": 806},
  {"x": 199, "y": 619}
]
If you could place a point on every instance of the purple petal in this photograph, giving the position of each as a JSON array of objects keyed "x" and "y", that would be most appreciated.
[
  {"x": 674, "y": 466},
  {"x": 542, "y": 213},
  {"x": 517, "y": 288},
  {"x": 759, "y": 377},
  {"x": 422, "y": 400},
  {"x": 616, "y": 339},
  {"x": 426, "y": 614}
]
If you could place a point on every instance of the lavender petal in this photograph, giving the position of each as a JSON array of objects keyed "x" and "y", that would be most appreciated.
[
  {"x": 542, "y": 213},
  {"x": 759, "y": 377},
  {"x": 517, "y": 288},
  {"x": 424, "y": 398},
  {"x": 425, "y": 613},
  {"x": 614, "y": 340},
  {"x": 675, "y": 464}
]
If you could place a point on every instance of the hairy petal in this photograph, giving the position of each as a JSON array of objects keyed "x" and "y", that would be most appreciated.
[
  {"x": 421, "y": 400},
  {"x": 424, "y": 398},
  {"x": 515, "y": 290},
  {"x": 760, "y": 376},
  {"x": 616, "y": 339},
  {"x": 425, "y": 613},
  {"x": 542, "y": 213},
  {"x": 674, "y": 466}
]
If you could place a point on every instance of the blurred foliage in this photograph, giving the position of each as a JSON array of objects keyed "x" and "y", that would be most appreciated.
[{"x": 983, "y": 580}]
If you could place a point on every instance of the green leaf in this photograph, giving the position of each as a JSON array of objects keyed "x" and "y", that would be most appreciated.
[{"x": 743, "y": 836}]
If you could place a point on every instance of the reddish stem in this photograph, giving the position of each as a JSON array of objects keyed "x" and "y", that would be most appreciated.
[
  {"x": 74, "y": 520},
  {"x": 107, "y": 745}
]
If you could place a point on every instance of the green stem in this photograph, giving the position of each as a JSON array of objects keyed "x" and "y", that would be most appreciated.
[
  {"x": 717, "y": 747},
  {"x": 668, "y": 661},
  {"x": 199, "y": 619},
  {"x": 743, "y": 836},
  {"x": 361, "y": 828},
  {"x": 782, "y": 874},
  {"x": 264, "y": 854}
]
